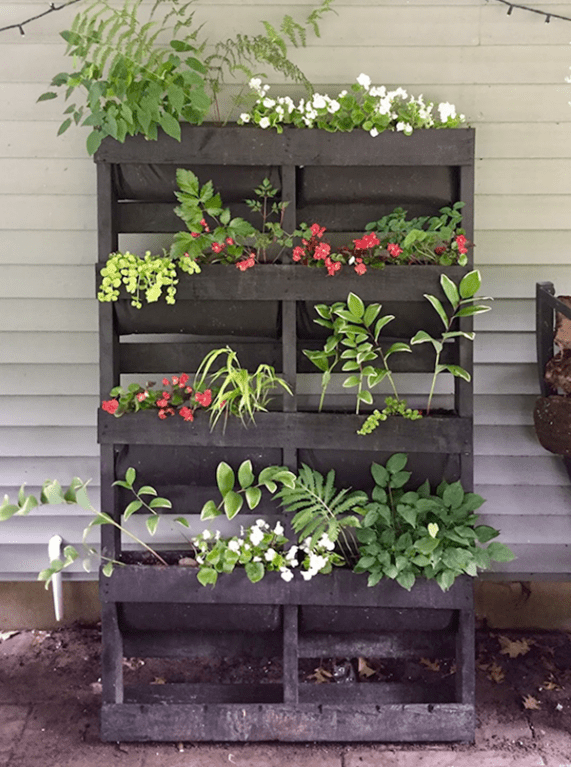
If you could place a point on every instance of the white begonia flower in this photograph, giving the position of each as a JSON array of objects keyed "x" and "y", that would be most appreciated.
[
  {"x": 401, "y": 126},
  {"x": 264, "y": 122},
  {"x": 217, "y": 535},
  {"x": 447, "y": 111},
  {"x": 247, "y": 547},
  {"x": 292, "y": 553},
  {"x": 344, "y": 93},
  {"x": 384, "y": 106},
  {"x": 261, "y": 523},
  {"x": 374, "y": 132},
  {"x": 255, "y": 83},
  {"x": 256, "y": 559},
  {"x": 364, "y": 80},
  {"x": 333, "y": 106},
  {"x": 256, "y": 536},
  {"x": 270, "y": 555},
  {"x": 307, "y": 575},
  {"x": 317, "y": 562},
  {"x": 245, "y": 117},
  {"x": 319, "y": 101},
  {"x": 280, "y": 111},
  {"x": 326, "y": 542},
  {"x": 234, "y": 545},
  {"x": 268, "y": 103},
  {"x": 200, "y": 559},
  {"x": 206, "y": 534},
  {"x": 279, "y": 528},
  {"x": 286, "y": 574},
  {"x": 378, "y": 91}
]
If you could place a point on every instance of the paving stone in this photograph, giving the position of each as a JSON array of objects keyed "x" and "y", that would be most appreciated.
[
  {"x": 12, "y": 721},
  {"x": 440, "y": 758},
  {"x": 240, "y": 755}
]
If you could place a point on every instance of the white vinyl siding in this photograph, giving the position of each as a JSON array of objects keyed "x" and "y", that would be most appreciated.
[{"x": 507, "y": 74}]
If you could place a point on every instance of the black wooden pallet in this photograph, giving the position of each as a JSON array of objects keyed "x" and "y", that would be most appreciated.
[{"x": 342, "y": 181}]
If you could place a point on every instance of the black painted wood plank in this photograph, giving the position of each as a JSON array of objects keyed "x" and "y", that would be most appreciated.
[
  {"x": 375, "y": 644},
  {"x": 197, "y": 644},
  {"x": 250, "y": 145},
  {"x": 290, "y": 670},
  {"x": 443, "y": 434},
  {"x": 111, "y": 655},
  {"x": 342, "y": 587},
  {"x": 304, "y": 722}
]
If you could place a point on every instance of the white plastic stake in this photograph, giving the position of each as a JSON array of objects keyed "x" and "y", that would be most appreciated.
[{"x": 54, "y": 552}]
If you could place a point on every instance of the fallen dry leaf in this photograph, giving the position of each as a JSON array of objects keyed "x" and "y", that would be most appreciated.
[
  {"x": 159, "y": 680},
  {"x": 321, "y": 675},
  {"x": 133, "y": 663},
  {"x": 551, "y": 685},
  {"x": 493, "y": 670},
  {"x": 364, "y": 668},
  {"x": 531, "y": 703},
  {"x": 514, "y": 647},
  {"x": 431, "y": 665}
]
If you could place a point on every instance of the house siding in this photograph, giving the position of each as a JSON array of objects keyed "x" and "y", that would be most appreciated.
[{"x": 505, "y": 73}]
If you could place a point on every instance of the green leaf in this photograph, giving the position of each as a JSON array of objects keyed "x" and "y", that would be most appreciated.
[
  {"x": 426, "y": 545},
  {"x": 470, "y": 284},
  {"x": 160, "y": 503},
  {"x": 245, "y": 474},
  {"x": 7, "y": 510},
  {"x": 351, "y": 381},
  {"x": 64, "y": 126},
  {"x": 396, "y": 462},
  {"x": 52, "y": 493},
  {"x": 94, "y": 141},
  {"x": 469, "y": 311},
  {"x": 152, "y": 523},
  {"x": 356, "y": 306},
  {"x": 130, "y": 476},
  {"x": 170, "y": 125},
  {"x": 46, "y": 96},
  {"x": 132, "y": 508},
  {"x": 499, "y": 552},
  {"x": 421, "y": 337},
  {"x": 484, "y": 533},
  {"x": 107, "y": 569},
  {"x": 182, "y": 521},
  {"x": 366, "y": 396},
  {"x": 382, "y": 322},
  {"x": 253, "y": 497},
  {"x": 255, "y": 571},
  {"x": 146, "y": 490},
  {"x": 445, "y": 579},
  {"x": 232, "y": 503},
  {"x": 380, "y": 474},
  {"x": 406, "y": 580},
  {"x": 207, "y": 576},
  {"x": 371, "y": 313},
  {"x": 450, "y": 290},
  {"x": 438, "y": 307},
  {"x": 209, "y": 511},
  {"x": 457, "y": 371},
  {"x": 453, "y": 495},
  {"x": 225, "y": 478}
]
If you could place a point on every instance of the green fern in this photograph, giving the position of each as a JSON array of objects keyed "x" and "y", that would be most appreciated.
[{"x": 320, "y": 509}]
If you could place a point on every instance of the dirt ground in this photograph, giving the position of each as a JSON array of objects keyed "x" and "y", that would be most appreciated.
[{"x": 50, "y": 696}]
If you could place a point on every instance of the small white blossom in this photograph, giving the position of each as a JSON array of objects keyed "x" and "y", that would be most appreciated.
[
  {"x": 256, "y": 559},
  {"x": 268, "y": 103},
  {"x": 326, "y": 542},
  {"x": 279, "y": 528},
  {"x": 319, "y": 101},
  {"x": 286, "y": 574},
  {"x": 447, "y": 111},
  {"x": 379, "y": 92},
  {"x": 364, "y": 81},
  {"x": 206, "y": 534},
  {"x": 234, "y": 545},
  {"x": 264, "y": 122},
  {"x": 271, "y": 554},
  {"x": 255, "y": 84},
  {"x": 256, "y": 536},
  {"x": 245, "y": 117},
  {"x": 291, "y": 554},
  {"x": 374, "y": 132},
  {"x": 344, "y": 93},
  {"x": 307, "y": 575},
  {"x": 333, "y": 106}
]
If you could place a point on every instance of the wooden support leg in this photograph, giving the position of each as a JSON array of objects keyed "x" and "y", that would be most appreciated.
[
  {"x": 290, "y": 654},
  {"x": 465, "y": 658},
  {"x": 111, "y": 655}
]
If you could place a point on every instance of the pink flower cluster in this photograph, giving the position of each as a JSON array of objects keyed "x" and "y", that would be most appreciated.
[
  {"x": 394, "y": 249},
  {"x": 246, "y": 263},
  {"x": 462, "y": 243}
]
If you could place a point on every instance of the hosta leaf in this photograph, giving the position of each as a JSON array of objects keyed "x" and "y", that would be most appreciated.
[
  {"x": 232, "y": 503},
  {"x": 356, "y": 306},
  {"x": 152, "y": 524},
  {"x": 499, "y": 552},
  {"x": 470, "y": 284},
  {"x": 253, "y": 497},
  {"x": 224, "y": 478},
  {"x": 209, "y": 511},
  {"x": 438, "y": 308},
  {"x": 450, "y": 290},
  {"x": 245, "y": 474},
  {"x": 255, "y": 571}
]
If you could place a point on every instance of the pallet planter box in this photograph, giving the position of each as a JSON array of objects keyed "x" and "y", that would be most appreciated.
[{"x": 342, "y": 181}]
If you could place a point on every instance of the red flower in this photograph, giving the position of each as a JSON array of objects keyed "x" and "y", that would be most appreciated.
[
  {"x": 205, "y": 398},
  {"x": 322, "y": 250},
  {"x": 229, "y": 241},
  {"x": 332, "y": 266},
  {"x": 394, "y": 249},
  {"x": 360, "y": 267},
  {"x": 110, "y": 405},
  {"x": 163, "y": 402},
  {"x": 246, "y": 263},
  {"x": 193, "y": 234},
  {"x": 461, "y": 242},
  {"x": 186, "y": 413},
  {"x": 440, "y": 250},
  {"x": 366, "y": 241},
  {"x": 317, "y": 231},
  {"x": 205, "y": 225},
  {"x": 217, "y": 247},
  {"x": 162, "y": 414},
  {"x": 142, "y": 396},
  {"x": 298, "y": 253},
  {"x": 183, "y": 378},
  {"x": 188, "y": 389}
]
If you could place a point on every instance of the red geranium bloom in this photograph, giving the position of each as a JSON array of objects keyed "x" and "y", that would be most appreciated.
[
  {"x": 205, "y": 398},
  {"x": 186, "y": 413},
  {"x": 360, "y": 267},
  {"x": 317, "y": 231},
  {"x": 246, "y": 263},
  {"x": 142, "y": 396},
  {"x": 110, "y": 406},
  {"x": 394, "y": 249},
  {"x": 322, "y": 250},
  {"x": 298, "y": 253},
  {"x": 183, "y": 378}
]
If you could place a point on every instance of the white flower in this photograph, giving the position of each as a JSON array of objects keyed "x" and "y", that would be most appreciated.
[
  {"x": 286, "y": 574},
  {"x": 256, "y": 536},
  {"x": 384, "y": 106},
  {"x": 234, "y": 545},
  {"x": 271, "y": 554},
  {"x": 255, "y": 83},
  {"x": 279, "y": 528},
  {"x": 256, "y": 559},
  {"x": 206, "y": 534},
  {"x": 401, "y": 126},
  {"x": 261, "y": 523},
  {"x": 344, "y": 93},
  {"x": 264, "y": 122},
  {"x": 268, "y": 103},
  {"x": 364, "y": 81},
  {"x": 291, "y": 554},
  {"x": 200, "y": 559},
  {"x": 326, "y": 542},
  {"x": 380, "y": 92},
  {"x": 447, "y": 111},
  {"x": 307, "y": 575},
  {"x": 374, "y": 132},
  {"x": 245, "y": 117},
  {"x": 319, "y": 101},
  {"x": 316, "y": 562},
  {"x": 333, "y": 106}
]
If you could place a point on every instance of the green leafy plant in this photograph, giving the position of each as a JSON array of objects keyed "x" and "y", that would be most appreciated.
[
  {"x": 145, "y": 497},
  {"x": 131, "y": 82},
  {"x": 409, "y": 534},
  {"x": 461, "y": 300},
  {"x": 358, "y": 329},
  {"x": 392, "y": 407},
  {"x": 248, "y": 488},
  {"x": 371, "y": 108},
  {"x": 320, "y": 509},
  {"x": 236, "y": 391}
]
